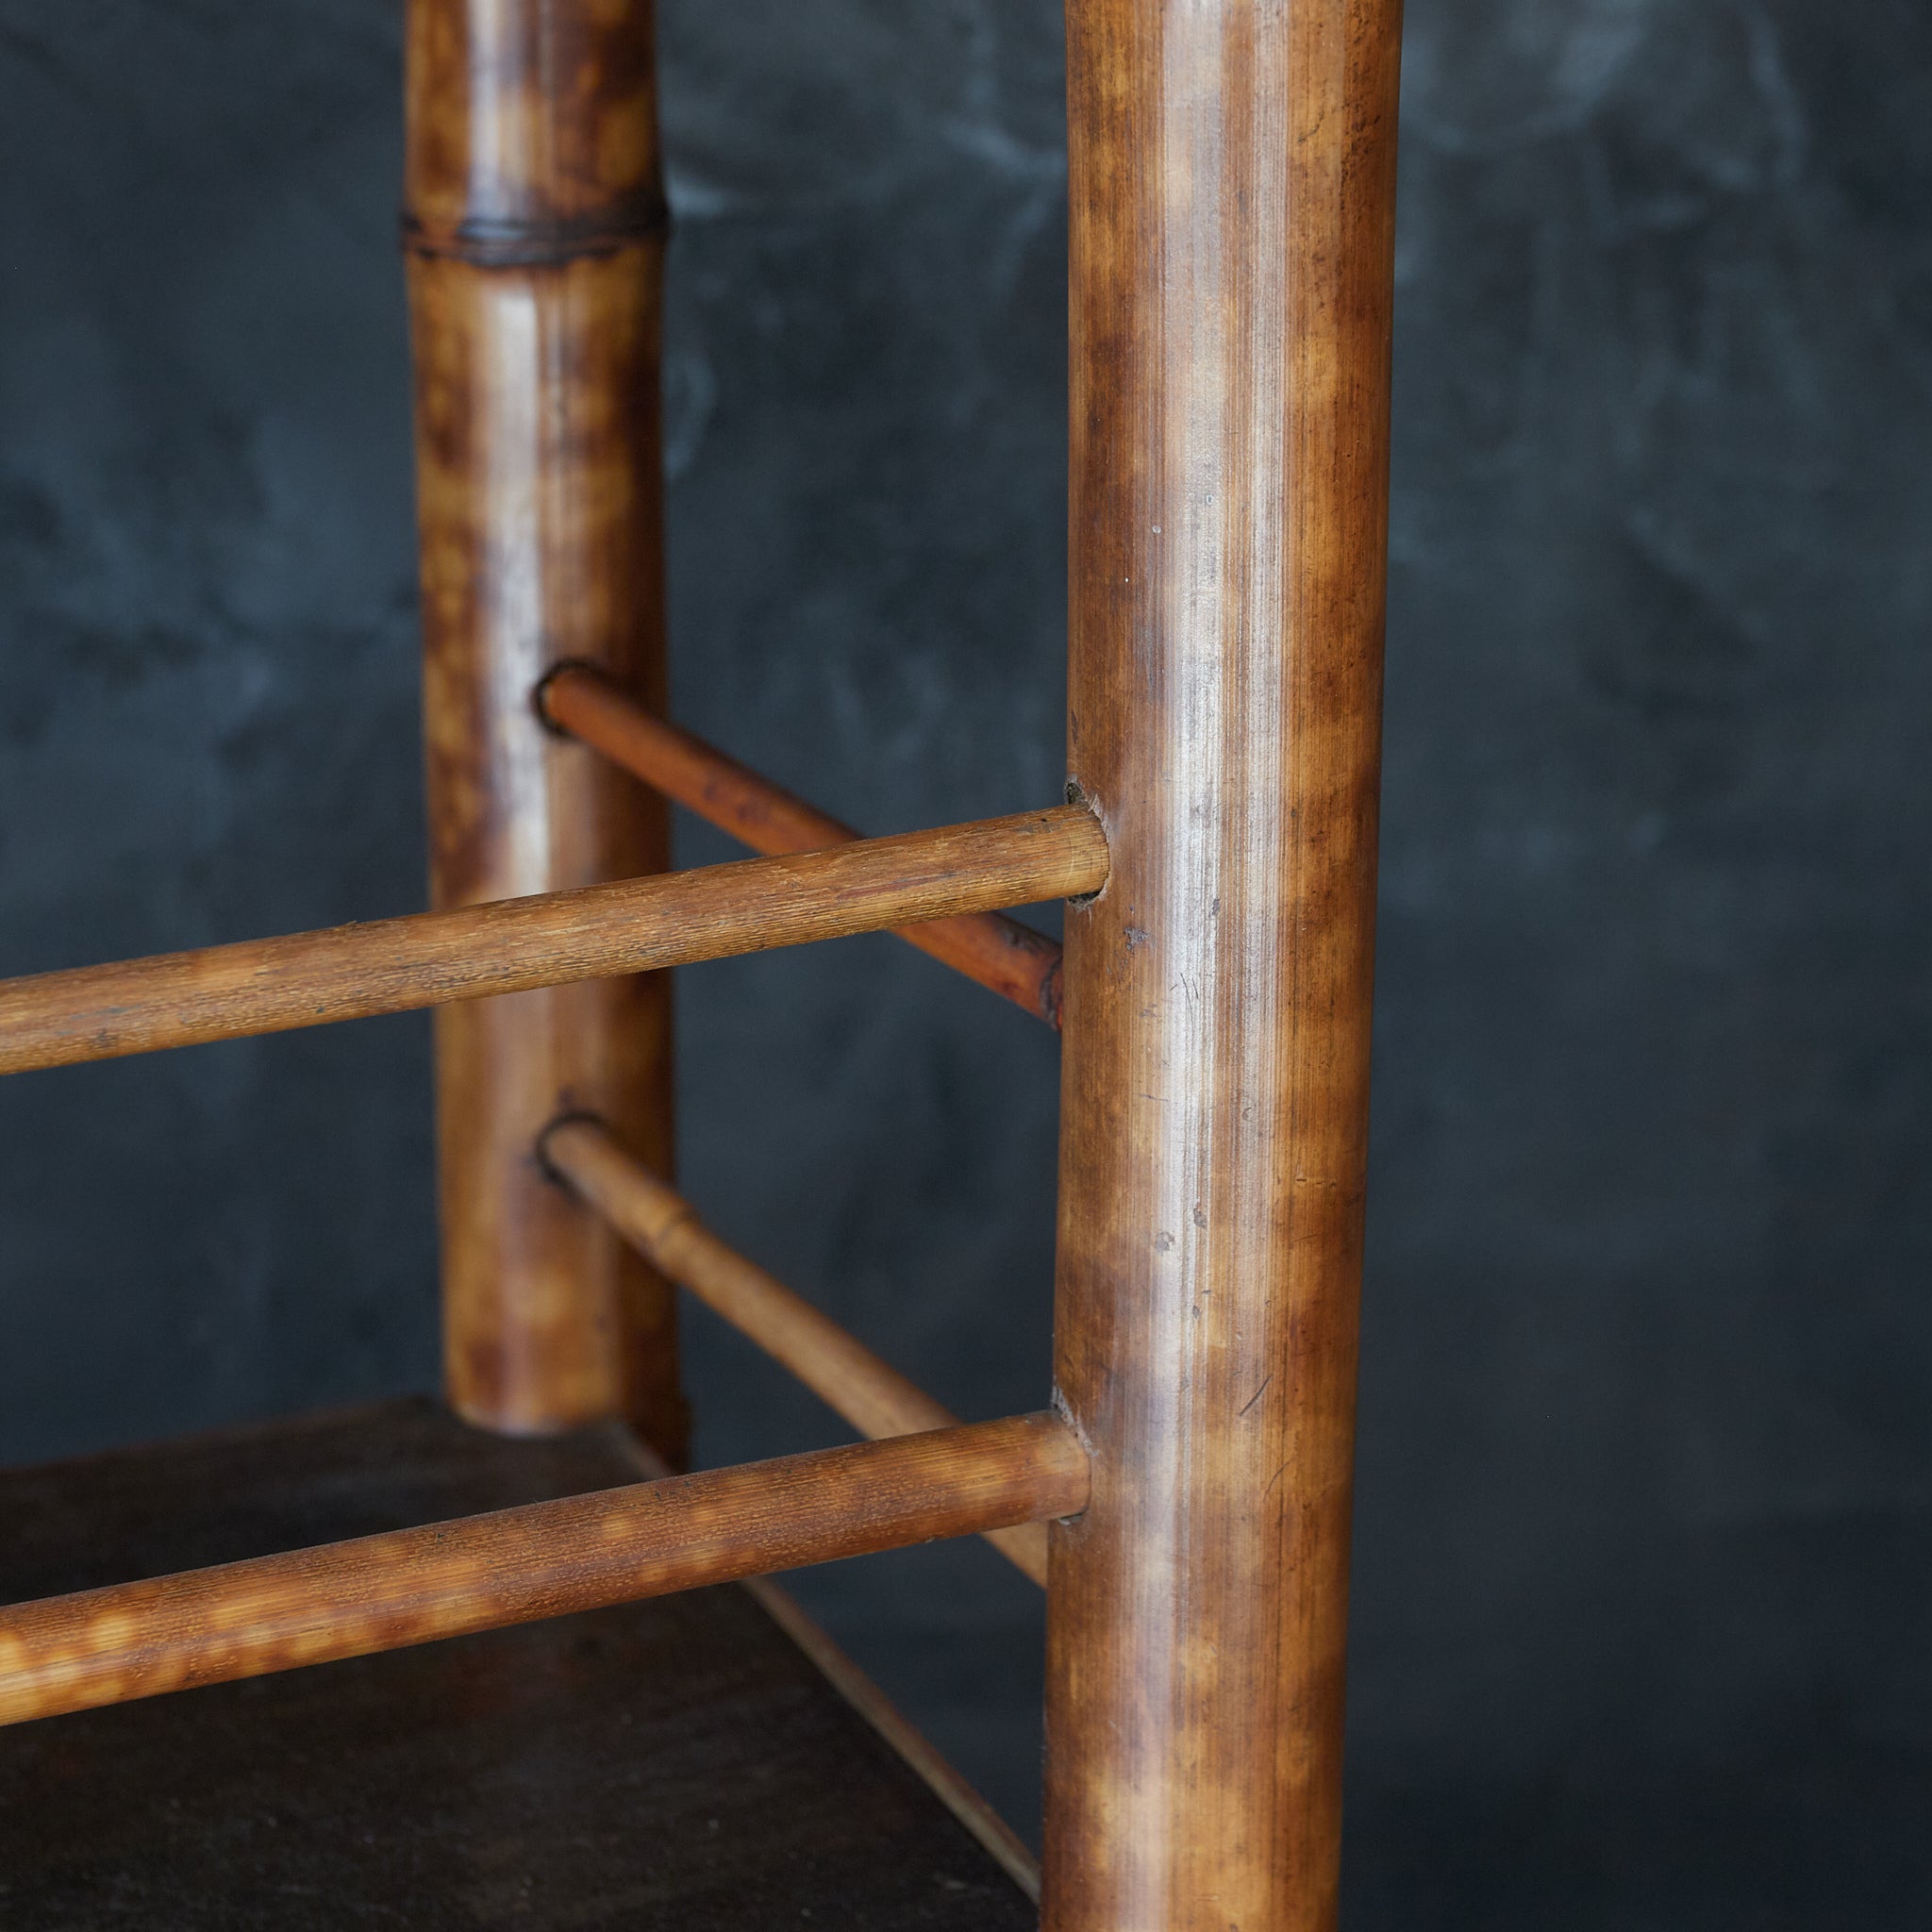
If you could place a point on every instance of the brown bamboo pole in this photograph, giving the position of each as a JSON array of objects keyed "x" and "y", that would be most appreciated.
[
  {"x": 535, "y": 229},
  {"x": 1232, "y": 189},
  {"x": 1002, "y": 953},
  {"x": 517, "y": 1566},
  {"x": 835, "y": 1366},
  {"x": 634, "y": 926}
]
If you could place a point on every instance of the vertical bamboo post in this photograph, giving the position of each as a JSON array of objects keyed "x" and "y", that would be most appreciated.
[
  {"x": 1232, "y": 182},
  {"x": 535, "y": 230}
]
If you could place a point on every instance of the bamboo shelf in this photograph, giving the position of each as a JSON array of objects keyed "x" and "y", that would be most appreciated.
[{"x": 680, "y": 1765}]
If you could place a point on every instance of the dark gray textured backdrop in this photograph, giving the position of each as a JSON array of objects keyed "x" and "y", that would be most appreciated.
[{"x": 1643, "y": 1627}]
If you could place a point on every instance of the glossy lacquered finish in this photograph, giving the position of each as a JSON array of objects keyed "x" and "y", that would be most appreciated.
[
  {"x": 631, "y": 925},
  {"x": 517, "y": 1566},
  {"x": 534, "y": 219},
  {"x": 835, "y": 1366},
  {"x": 1232, "y": 176},
  {"x": 1004, "y": 956}
]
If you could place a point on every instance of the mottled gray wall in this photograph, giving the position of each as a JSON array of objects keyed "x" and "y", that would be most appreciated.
[
  {"x": 1645, "y": 1509},
  {"x": 1645, "y": 1526}
]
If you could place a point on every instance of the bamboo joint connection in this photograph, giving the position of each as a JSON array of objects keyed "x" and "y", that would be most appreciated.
[{"x": 583, "y": 1156}]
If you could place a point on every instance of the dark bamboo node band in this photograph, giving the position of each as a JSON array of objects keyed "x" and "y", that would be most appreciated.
[
  {"x": 511, "y": 946},
  {"x": 1003, "y": 955},
  {"x": 518, "y": 1566},
  {"x": 535, "y": 244},
  {"x": 835, "y": 1366}
]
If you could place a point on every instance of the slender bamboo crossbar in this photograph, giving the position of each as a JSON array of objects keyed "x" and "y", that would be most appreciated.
[
  {"x": 835, "y": 1366},
  {"x": 517, "y": 1566},
  {"x": 1009, "y": 957},
  {"x": 634, "y": 926}
]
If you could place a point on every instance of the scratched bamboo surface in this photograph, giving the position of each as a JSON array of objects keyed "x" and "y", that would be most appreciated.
[
  {"x": 545, "y": 1559},
  {"x": 835, "y": 1366},
  {"x": 634, "y": 926},
  {"x": 534, "y": 224},
  {"x": 673, "y": 1765},
  {"x": 1002, "y": 953},
  {"x": 1232, "y": 191}
]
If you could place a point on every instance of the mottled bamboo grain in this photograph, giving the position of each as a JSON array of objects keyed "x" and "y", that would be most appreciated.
[
  {"x": 515, "y": 1566},
  {"x": 1232, "y": 177},
  {"x": 534, "y": 231}
]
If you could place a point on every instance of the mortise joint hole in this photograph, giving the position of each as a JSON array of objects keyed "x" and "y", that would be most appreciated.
[
  {"x": 540, "y": 693},
  {"x": 1076, "y": 794},
  {"x": 572, "y": 1117}
]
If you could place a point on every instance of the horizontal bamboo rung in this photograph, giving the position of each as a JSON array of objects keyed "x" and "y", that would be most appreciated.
[
  {"x": 517, "y": 1566},
  {"x": 595, "y": 932},
  {"x": 835, "y": 1366},
  {"x": 1011, "y": 958}
]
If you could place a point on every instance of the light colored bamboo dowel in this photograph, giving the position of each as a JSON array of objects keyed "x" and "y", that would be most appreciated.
[
  {"x": 517, "y": 1566},
  {"x": 634, "y": 925},
  {"x": 1003, "y": 955},
  {"x": 838, "y": 1368}
]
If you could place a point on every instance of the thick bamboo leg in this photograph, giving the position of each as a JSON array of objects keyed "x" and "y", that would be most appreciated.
[
  {"x": 1232, "y": 194},
  {"x": 535, "y": 228}
]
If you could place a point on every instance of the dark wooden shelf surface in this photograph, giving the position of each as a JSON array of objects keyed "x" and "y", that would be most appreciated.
[{"x": 674, "y": 1765}]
